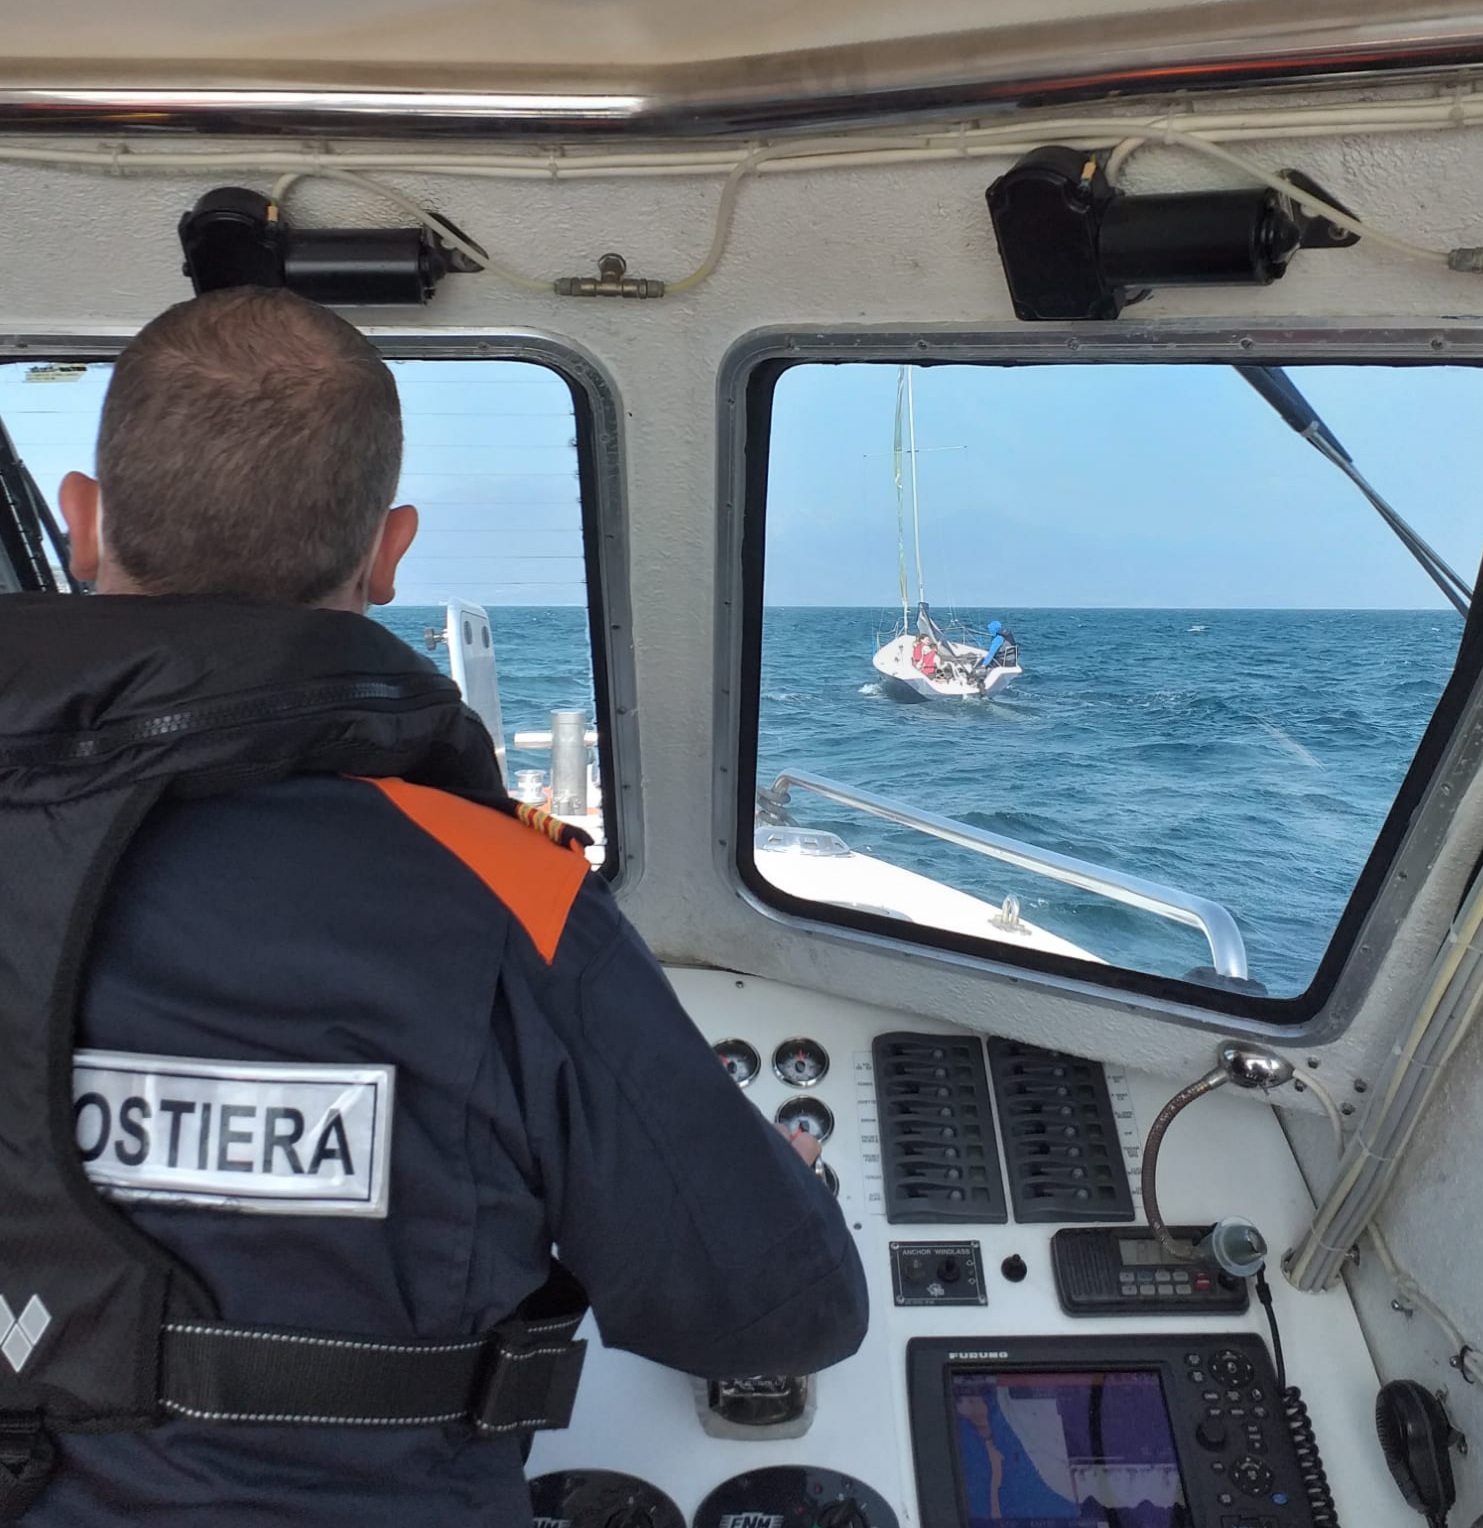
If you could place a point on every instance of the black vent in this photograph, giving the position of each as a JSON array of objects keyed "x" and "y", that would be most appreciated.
[
  {"x": 938, "y": 1153},
  {"x": 1061, "y": 1144}
]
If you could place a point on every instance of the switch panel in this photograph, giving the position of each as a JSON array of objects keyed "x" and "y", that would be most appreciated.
[{"x": 937, "y": 1273}]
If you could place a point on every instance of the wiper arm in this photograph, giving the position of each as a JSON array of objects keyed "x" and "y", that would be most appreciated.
[
  {"x": 25, "y": 519},
  {"x": 1279, "y": 391}
]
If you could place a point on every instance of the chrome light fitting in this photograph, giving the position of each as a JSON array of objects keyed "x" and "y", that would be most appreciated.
[{"x": 1234, "y": 1243}]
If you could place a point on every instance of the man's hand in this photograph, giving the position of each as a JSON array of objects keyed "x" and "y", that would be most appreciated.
[{"x": 803, "y": 1143}]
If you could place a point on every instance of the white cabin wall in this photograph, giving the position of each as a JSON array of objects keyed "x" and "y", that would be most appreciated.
[{"x": 906, "y": 246}]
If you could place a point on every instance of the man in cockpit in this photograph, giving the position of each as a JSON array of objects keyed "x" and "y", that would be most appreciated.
[{"x": 334, "y": 879}]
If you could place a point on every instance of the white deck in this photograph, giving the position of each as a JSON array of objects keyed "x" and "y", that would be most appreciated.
[{"x": 790, "y": 860}]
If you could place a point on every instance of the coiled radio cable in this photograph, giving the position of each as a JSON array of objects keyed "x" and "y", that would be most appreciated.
[{"x": 1299, "y": 1424}]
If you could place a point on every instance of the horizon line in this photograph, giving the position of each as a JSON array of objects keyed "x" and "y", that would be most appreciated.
[{"x": 1119, "y": 609}]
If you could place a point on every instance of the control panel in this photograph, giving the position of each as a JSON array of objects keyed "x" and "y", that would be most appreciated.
[
  {"x": 992, "y": 1191},
  {"x": 1165, "y": 1429},
  {"x": 937, "y": 1273}
]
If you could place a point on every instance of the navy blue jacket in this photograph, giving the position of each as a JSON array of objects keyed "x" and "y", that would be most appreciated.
[{"x": 550, "y": 1090}]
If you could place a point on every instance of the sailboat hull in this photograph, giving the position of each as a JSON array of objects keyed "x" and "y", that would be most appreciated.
[{"x": 903, "y": 680}]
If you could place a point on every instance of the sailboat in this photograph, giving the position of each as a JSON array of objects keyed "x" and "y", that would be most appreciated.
[{"x": 923, "y": 662}]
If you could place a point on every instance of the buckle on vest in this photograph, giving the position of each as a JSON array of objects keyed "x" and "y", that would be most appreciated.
[
  {"x": 28, "y": 1457},
  {"x": 530, "y": 1383}
]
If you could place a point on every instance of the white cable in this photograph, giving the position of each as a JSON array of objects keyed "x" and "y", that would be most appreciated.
[
  {"x": 431, "y": 220},
  {"x": 1113, "y": 169},
  {"x": 1124, "y": 135},
  {"x": 1463, "y": 932},
  {"x": 855, "y": 156},
  {"x": 724, "y": 211},
  {"x": 1460, "y": 937},
  {"x": 1322, "y": 1094},
  {"x": 1025, "y": 132},
  {"x": 1312, "y": 204},
  {"x": 1409, "y": 1293}
]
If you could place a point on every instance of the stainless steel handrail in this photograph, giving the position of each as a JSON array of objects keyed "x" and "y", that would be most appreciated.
[
  {"x": 1227, "y": 948},
  {"x": 539, "y": 742}
]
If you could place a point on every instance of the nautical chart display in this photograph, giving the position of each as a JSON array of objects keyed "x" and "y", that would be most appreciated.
[{"x": 1089, "y": 1448}]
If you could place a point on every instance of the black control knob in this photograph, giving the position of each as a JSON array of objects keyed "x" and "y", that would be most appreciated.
[
  {"x": 846, "y": 1513},
  {"x": 1211, "y": 1434},
  {"x": 631, "y": 1517},
  {"x": 949, "y": 1270},
  {"x": 1013, "y": 1268}
]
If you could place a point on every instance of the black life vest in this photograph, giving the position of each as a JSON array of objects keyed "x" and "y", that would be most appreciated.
[{"x": 106, "y": 706}]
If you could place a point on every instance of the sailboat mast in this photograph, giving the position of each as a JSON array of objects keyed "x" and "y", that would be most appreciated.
[
  {"x": 900, "y": 500},
  {"x": 916, "y": 518}
]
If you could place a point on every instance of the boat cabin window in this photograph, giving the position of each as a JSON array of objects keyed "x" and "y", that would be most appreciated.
[
  {"x": 492, "y": 462},
  {"x": 1104, "y": 669}
]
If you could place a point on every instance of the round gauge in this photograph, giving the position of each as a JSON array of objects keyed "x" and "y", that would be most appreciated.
[
  {"x": 810, "y": 1114},
  {"x": 739, "y": 1059},
  {"x": 800, "y": 1063},
  {"x": 827, "y": 1173}
]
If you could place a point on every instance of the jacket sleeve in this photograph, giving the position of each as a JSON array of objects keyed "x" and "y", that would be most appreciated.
[{"x": 703, "y": 1241}]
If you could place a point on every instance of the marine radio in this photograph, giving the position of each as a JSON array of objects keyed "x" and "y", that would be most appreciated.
[
  {"x": 1106, "y": 1432},
  {"x": 1126, "y": 1271}
]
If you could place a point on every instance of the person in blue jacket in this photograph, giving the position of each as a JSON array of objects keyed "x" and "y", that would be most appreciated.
[{"x": 551, "y": 1094}]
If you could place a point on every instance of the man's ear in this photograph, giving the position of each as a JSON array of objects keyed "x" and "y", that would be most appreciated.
[
  {"x": 396, "y": 537},
  {"x": 78, "y": 500}
]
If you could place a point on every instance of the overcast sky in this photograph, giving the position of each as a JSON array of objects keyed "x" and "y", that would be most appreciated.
[{"x": 1053, "y": 486}]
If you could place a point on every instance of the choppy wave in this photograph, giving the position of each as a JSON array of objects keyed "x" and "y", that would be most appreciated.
[{"x": 1254, "y": 766}]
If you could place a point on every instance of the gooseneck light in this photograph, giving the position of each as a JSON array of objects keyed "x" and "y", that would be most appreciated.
[{"x": 1234, "y": 1244}]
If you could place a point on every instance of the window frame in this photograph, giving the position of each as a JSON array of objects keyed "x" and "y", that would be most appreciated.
[
  {"x": 1413, "y": 829},
  {"x": 597, "y": 415}
]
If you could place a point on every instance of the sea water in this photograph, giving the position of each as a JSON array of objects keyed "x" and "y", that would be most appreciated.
[{"x": 1250, "y": 757}]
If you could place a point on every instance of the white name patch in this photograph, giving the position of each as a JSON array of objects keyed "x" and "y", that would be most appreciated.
[{"x": 253, "y": 1136}]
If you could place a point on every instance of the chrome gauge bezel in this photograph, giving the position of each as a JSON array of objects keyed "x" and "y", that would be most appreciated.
[
  {"x": 806, "y": 1101},
  {"x": 794, "y": 1082},
  {"x": 750, "y": 1049},
  {"x": 829, "y": 1176}
]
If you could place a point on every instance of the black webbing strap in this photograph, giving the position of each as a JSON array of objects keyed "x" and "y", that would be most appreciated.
[
  {"x": 27, "y": 1459},
  {"x": 521, "y": 1377}
]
